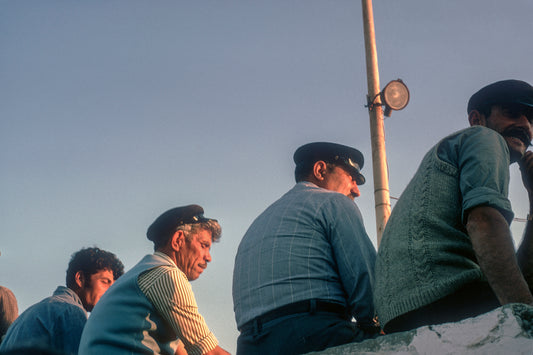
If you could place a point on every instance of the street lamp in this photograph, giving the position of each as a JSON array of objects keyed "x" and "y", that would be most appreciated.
[{"x": 395, "y": 96}]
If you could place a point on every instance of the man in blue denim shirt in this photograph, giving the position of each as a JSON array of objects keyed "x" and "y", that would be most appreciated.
[
  {"x": 305, "y": 266},
  {"x": 54, "y": 325}
]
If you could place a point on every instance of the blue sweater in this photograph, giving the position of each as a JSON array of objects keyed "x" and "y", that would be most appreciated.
[{"x": 125, "y": 322}]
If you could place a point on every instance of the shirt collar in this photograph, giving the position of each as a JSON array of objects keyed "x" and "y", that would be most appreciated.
[
  {"x": 308, "y": 184},
  {"x": 165, "y": 256},
  {"x": 62, "y": 291}
]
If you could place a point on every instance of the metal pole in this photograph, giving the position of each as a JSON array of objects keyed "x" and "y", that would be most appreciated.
[{"x": 377, "y": 135}]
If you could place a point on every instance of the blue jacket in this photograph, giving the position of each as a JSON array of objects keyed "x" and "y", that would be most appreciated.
[{"x": 54, "y": 324}]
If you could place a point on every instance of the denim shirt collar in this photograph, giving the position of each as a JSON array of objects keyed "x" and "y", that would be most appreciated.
[{"x": 68, "y": 295}]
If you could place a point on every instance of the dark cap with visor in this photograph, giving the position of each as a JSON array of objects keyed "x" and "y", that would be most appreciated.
[
  {"x": 333, "y": 153},
  {"x": 167, "y": 224},
  {"x": 502, "y": 92}
]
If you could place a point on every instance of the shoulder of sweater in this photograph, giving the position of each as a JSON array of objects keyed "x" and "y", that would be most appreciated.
[{"x": 480, "y": 132}]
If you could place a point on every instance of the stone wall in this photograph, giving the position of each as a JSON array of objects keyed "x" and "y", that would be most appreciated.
[{"x": 507, "y": 330}]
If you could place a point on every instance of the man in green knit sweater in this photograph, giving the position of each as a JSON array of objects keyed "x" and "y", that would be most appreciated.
[{"x": 447, "y": 253}]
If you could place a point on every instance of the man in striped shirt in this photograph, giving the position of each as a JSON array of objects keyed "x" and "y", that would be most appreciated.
[{"x": 154, "y": 307}]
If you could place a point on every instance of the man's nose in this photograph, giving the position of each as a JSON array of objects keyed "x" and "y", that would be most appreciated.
[
  {"x": 208, "y": 257},
  {"x": 355, "y": 189},
  {"x": 525, "y": 122},
  {"x": 523, "y": 118}
]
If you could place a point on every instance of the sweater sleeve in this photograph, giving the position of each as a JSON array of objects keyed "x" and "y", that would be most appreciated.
[
  {"x": 484, "y": 165},
  {"x": 482, "y": 157}
]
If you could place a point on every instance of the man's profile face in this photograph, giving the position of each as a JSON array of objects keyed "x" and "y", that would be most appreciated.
[
  {"x": 94, "y": 286},
  {"x": 513, "y": 122},
  {"x": 194, "y": 255},
  {"x": 339, "y": 179}
]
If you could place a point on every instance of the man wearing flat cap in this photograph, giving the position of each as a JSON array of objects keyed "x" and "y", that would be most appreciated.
[
  {"x": 153, "y": 308},
  {"x": 447, "y": 253},
  {"x": 305, "y": 266}
]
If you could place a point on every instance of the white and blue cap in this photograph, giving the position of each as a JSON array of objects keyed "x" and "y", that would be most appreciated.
[{"x": 333, "y": 153}]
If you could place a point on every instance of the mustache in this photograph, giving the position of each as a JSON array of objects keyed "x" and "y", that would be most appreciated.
[{"x": 519, "y": 133}]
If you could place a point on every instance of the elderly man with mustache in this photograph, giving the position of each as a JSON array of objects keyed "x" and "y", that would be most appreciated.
[
  {"x": 153, "y": 308},
  {"x": 447, "y": 253}
]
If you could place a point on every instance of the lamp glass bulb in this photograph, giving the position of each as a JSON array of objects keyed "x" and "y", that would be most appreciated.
[{"x": 396, "y": 95}]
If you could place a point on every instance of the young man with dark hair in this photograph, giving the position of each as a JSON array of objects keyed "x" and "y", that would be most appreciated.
[{"x": 55, "y": 324}]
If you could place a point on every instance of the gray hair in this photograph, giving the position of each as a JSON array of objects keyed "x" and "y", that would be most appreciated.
[{"x": 211, "y": 225}]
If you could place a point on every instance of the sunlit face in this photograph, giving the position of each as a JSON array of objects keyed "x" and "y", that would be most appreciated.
[
  {"x": 94, "y": 287},
  {"x": 513, "y": 122},
  {"x": 194, "y": 255},
  {"x": 339, "y": 179}
]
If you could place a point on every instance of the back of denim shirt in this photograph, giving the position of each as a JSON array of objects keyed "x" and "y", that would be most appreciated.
[{"x": 54, "y": 324}]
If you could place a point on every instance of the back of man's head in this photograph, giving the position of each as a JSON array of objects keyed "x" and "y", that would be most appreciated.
[
  {"x": 307, "y": 155},
  {"x": 90, "y": 261}
]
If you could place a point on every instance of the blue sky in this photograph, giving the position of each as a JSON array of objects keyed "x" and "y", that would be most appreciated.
[{"x": 112, "y": 112}]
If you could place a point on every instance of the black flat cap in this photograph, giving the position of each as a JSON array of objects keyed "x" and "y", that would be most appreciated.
[
  {"x": 332, "y": 153},
  {"x": 166, "y": 224},
  {"x": 502, "y": 92}
]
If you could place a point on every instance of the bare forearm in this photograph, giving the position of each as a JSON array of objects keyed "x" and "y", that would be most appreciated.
[
  {"x": 492, "y": 243},
  {"x": 525, "y": 251}
]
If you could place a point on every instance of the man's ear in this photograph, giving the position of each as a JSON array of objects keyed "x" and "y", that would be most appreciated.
[
  {"x": 476, "y": 118},
  {"x": 177, "y": 240},
  {"x": 319, "y": 170},
  {"x": 80, "y": 279}
]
